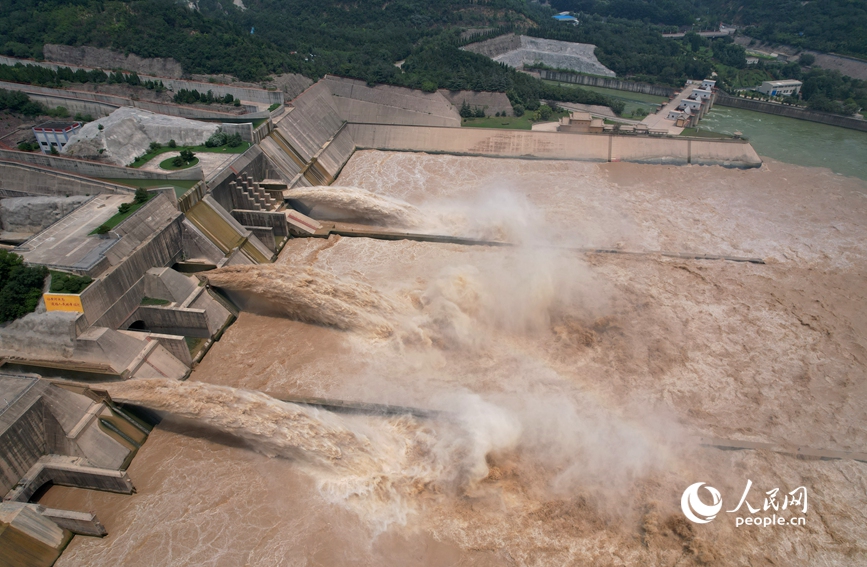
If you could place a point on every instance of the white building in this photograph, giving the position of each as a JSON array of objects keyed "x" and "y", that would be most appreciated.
[
  {"x": 708, "y": 84},
  {"x": 54, "y": 134},
  {"x": 788, "y": 87}
]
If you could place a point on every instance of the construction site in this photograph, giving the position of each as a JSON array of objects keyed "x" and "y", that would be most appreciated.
[{"x": 374, "y": 327}]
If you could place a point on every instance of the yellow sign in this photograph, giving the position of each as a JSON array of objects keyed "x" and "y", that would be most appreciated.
[{"x": 63, "y": 302}]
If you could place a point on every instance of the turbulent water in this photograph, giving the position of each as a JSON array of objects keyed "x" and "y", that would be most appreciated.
[
  {"x": 569, "y": 386},
  {"x": 357, "y": 205}
]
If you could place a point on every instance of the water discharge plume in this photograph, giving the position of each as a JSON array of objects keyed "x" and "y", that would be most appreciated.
[
  {"x": 376, "y": 466},
  {"x": 352, "y": 204},
  {"x": 310, "y": 295}
]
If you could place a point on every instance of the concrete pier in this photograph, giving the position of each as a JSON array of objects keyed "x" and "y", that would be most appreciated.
[{"x": 69, "y": 471}]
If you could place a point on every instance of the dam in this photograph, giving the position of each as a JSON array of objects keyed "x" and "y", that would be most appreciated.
[{"x": 376, "y": 337}]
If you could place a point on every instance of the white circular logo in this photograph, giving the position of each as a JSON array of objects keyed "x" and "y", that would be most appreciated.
[{"x": 696, "y": 510}]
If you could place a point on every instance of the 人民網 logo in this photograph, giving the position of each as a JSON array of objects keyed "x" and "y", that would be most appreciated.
[{"x": 696, "y": 510}]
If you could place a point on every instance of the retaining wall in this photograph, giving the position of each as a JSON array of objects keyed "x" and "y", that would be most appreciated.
[
  {"x": 23, "y": 444},
  {"x": 174, "y": 321},
  {"x": 26, "y": 180},
  {"x": 102, "y": 104},
  {"x": 605, "y": 82},
  {"x": 99, "y": 299},
  {"x": 791, "y": 112},
  {"x": 554, "y": 145},
  {"x": 94, "y": 169}
]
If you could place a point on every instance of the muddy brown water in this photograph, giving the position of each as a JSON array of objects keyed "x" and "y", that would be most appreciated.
[{"x": 574, "y": 382}]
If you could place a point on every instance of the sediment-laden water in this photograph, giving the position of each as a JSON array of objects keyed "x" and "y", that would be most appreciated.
[{"x": 569, "y": 385}]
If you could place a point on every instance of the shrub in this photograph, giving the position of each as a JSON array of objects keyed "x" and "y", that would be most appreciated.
[
  {"x": 54, "y": 151},
  {"x": 219, "y": 138},
  {"x": 102, "y": 229},
  {"x": 235, "y": 141},
  {"x": 429, "y": 87},
  {"x": 178, "y": 161},
  {"x": 155, "y": 146},
  {"x": 173, "y": 144},
  {"x": 141, "y": 195},
  {"x": 124, "y": 208},
  {"x": 479, "y": 112},
  {"x": 100, "y": 127},
  {"x": 187, "y": 156},
  {"x": 237, "y": 102},
  {"x": 27, "y": 146},
  {"x": 518, "y": 110},
  {"x": 62, "y": 282}
]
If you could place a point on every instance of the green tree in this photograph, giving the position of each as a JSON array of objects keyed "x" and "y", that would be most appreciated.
[
  {"x": 20, "y": 286},
  {"x": 141, "y": 195}
]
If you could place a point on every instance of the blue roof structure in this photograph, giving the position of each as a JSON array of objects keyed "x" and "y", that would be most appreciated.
[{"x": 564, "y": 18}]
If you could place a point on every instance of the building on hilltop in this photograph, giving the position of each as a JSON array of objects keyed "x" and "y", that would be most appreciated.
[
  {"x": 788, "y": 87},
  {"x": 55, "y": 134}
]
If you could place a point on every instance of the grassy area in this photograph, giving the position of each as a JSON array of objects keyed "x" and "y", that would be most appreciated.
[
  {"x": 153, "y": 301},
  {"x": 274, "y": 107},
  {"x": 634, "y": 103},
  {"x": 257, "y": 123},
  {"x": 181, "y": 185},
  {"x": 168, "y": 164},
  {"x": 120, "y": 217},
  {"x": 140, "y": 161},
  {"x": 742, "y": 78},
  {"x": 508, "y": 122},
  {"x": 699, "y": 133},
  {"x": 195, "y": 345}
]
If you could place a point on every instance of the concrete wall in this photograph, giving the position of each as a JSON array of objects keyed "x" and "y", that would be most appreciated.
[
  {"x": 102, "y": 299},
  {"x": 606, "y": 82},
  {"x": 174, "y": 321},
  {"x": 273, "y": 220},
  {"x": 23, "y": 443},
  {"x": 334, "y": 156},
  {"x": 101, "y": 104},
  {"x": 792, "y": 112},
  {"x": 385, "y": 104},
  {"x": 22, "y": 180},
  {"x": 552, "y": 145},
  {"x": 94, "y": 169},
  {"x": 312, "y": 122}
]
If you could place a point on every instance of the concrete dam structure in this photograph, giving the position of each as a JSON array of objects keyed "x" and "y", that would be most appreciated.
[
  {"x": 63, "y": 435},
  {"x": 145, "y": 317}
]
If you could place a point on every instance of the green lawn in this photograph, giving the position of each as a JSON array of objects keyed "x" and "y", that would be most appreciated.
[
  {"x": 274, "y": 107},
  {"x": 167, "y": 164},
  {"x": 140, "y": 161},
  {"x": 153, "y": 301},
  {"x": 120, "y": 217},
  {"x": 181, "y": 185},
  {"x": 633, "y": 102},
  {"x": 508, "y": 122}
]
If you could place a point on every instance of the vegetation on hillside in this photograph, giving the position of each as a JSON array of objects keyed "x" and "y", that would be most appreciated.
[
  {"x": 365, "y": 39},
  {"x": 20, "y": 286}
]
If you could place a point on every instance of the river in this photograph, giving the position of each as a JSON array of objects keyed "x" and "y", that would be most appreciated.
[{"x": 789, "y": 140}]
